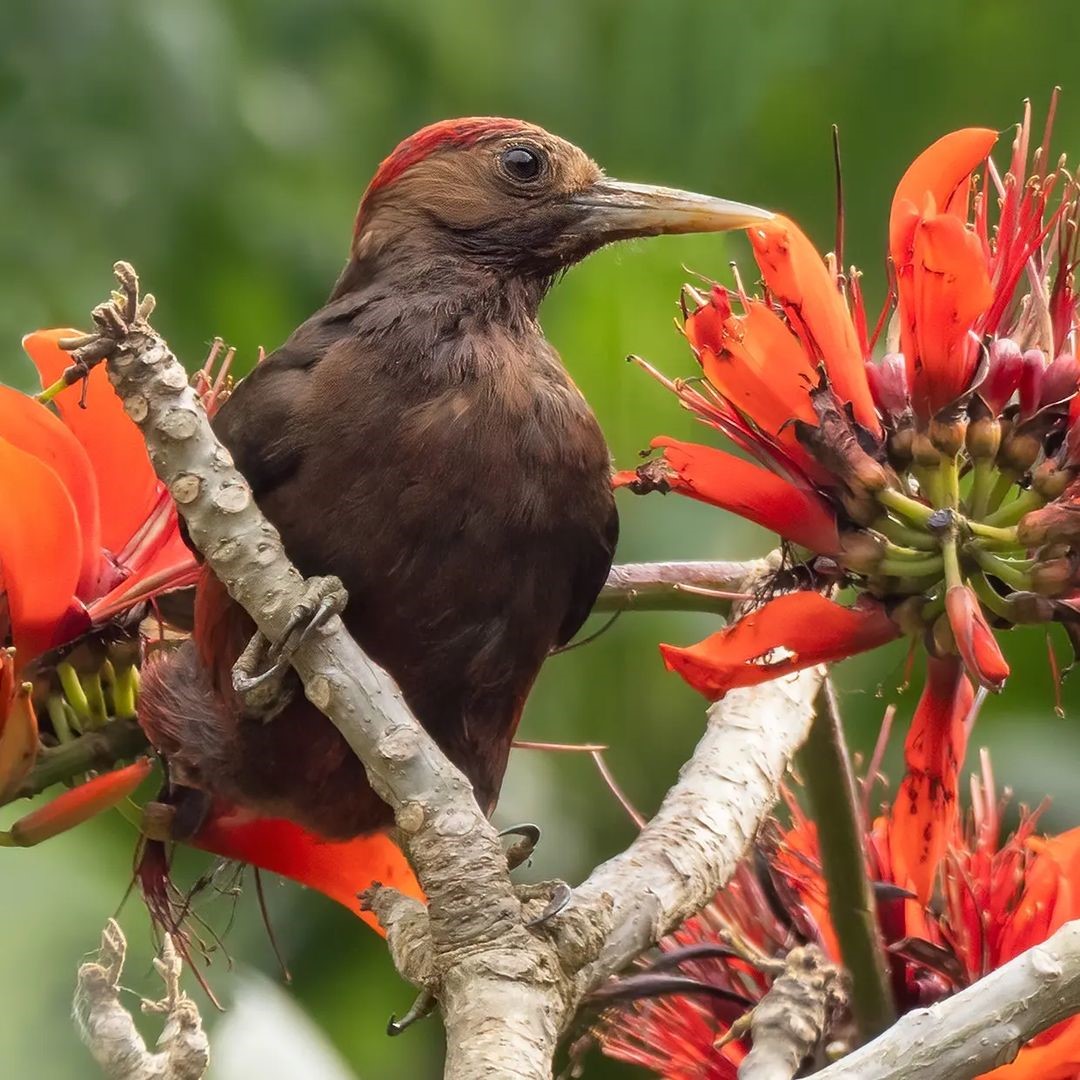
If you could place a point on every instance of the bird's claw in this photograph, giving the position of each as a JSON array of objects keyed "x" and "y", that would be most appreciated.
[
  {"x": 259, "y": 673},
  {"x": 420, "y": 1008},
  {"x": 324, "y": 597},
  {"x": 521, "y": 850},
  {"x": 561, "y": 895}
]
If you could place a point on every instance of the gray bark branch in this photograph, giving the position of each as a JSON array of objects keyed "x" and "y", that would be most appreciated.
[{"x": 980, "y": 1028}]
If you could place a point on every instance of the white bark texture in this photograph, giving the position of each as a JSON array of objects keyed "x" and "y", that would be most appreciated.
[{"x": 980, "y": 1028}]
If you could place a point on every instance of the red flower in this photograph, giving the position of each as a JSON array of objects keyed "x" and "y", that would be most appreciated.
[
  {"x": 939, "y": 483},
  {"x": 89, "y": 531}
]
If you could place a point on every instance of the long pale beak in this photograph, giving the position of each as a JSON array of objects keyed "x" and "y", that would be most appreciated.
[{"x": 618, "y": 211}]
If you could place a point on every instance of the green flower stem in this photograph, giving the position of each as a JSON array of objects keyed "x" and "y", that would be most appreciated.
[
  {"x": 949, "y": 479},
  {"x": 990, "y": 597},
  {"x": 951, "y": 562},
  {"x": 75, "y": 695},
  {"x": 1002, "y": 487},
  {"x": 95, "y": 698},
  {"x": 931, "y": 484},
  {"x": 825, "y": 766},
  {"x": 1013, "y": 576},
  {"x": 983, "y": 476},
  {"x": 928, "y": 566},
  {"x": 58, "y": 717},
  {"x": 995, "y": 533},
  {"x": 124, "y": 692},
  {"x": 1012, "y": 512},
  {"x": 101, "y": 749},
  {"x": 904, "y": 506},
  {"x": 899, "y": 533}
]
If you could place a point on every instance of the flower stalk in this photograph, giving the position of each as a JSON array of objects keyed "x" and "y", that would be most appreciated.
[{"x": 824, "y": 764}]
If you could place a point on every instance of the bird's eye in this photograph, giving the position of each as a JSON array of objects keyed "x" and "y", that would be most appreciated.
[{"x": 521, "y": 163}]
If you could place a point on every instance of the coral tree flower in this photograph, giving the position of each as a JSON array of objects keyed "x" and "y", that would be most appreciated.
[
  {"x": 940, "y": 481},
  {"x": 994, "y": 898},
  {"x": 88, "y": 530}
]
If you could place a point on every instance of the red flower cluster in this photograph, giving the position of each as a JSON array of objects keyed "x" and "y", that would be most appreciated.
[
  {"x": 995, "y": 898},
  {"x": 940, "y": 481}
]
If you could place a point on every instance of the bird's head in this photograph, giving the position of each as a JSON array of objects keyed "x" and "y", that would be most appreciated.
[{"x": 511, "y": 198}]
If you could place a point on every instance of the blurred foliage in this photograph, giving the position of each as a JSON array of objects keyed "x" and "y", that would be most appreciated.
[{"x": 221, "y": 147}]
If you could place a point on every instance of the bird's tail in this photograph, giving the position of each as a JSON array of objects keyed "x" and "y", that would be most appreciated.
[{"x": 187, "y": 722}]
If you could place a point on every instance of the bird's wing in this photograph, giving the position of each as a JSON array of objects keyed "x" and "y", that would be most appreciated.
[
  {"x": 594, "y": 556},
  {"x": 259, "y": 422}
]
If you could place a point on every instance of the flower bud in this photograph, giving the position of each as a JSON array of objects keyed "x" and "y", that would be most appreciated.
[
  {"x": 899, "y": 447},
  {"x": 924, "y": 451},
  {"x": 1059, "y": 381},
  {"x": 888, "y": 385},
  {"x": 1057, "y": 521},
  {"x": 1054, "y": 576},
  {"x": 975, "y": 641},
  {"x": 861, "y": 551},
  {"x": 1019, "y": 451},
  {"x": 1031, "y": 377},
  {"x": 1003, "y": 373},
  {"x": 948, "y": 435},
  {"x": 1050, "y": 481},
  {"x": 983, "y": 439},
  {"x": 1028, "y": 608}
]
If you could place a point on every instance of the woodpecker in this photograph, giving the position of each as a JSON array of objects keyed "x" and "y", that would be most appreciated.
[{"x": 419, "y": 439}]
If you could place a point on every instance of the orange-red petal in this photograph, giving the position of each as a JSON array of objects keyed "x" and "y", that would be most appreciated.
[
  {"x": 127, "y": 485},
  {"x": 757, "y": 364},
  {"x": 943, "y": 171},
  {"x": 798, "y": 278},
  {"x": 944, "y": 290},
  {"x": 32, "y": 427},
  {"x": 746, "y": 489},
  {"x": 924, "y": 813},
  {"x": 340, "y": 870},
  {"x": 18, "y": 737},
  {"x": 792, "y": 632},
  {"x": 976, "y": 641},
  {"x": 78, "y": 804},
  {"x": 40, "y": 553}
]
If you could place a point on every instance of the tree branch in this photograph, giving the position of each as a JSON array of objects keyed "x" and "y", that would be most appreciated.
[
  {"x": 980, "y": 1028},
  {"x": 706, "y": 822},
  {"x": 793, "y": 1018},
  {"x": 676, "y": 586},
  {"x": 109, "y": 1031}
]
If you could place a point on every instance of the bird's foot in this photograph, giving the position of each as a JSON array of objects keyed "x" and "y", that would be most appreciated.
[
  {"x": 521, "y": 850},
  {"x": 260, "y": 674},
  {"x": 557, "y": 895}
]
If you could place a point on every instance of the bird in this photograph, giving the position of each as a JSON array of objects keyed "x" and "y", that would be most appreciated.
[{"x": 419, "y": 439}]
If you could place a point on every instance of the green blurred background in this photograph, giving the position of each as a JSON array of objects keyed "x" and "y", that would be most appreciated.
[{"x": 221, "y": 147}]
